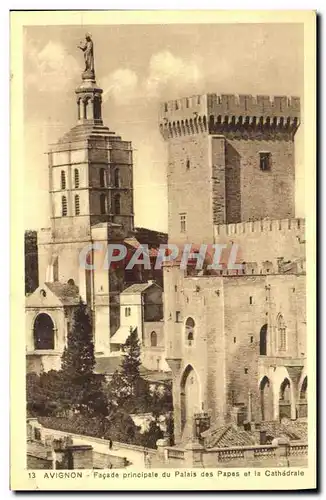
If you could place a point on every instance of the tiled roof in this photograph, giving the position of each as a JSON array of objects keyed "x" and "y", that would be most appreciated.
[
  {"x": 85, "y": 131},
  {"x": 133, "y": 242},
  {"x": 138, "y": 287},
  {"x": 227, "y": 435},
  {"x": 293, "y": 430},
  {"x": 68, "y": 294}
]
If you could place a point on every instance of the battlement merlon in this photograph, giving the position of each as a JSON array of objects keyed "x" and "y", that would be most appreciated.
[{"x": 209, "y": 108}]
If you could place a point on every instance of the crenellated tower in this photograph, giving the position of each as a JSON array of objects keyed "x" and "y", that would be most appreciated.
[
  {"x": 232, "y": 157},
  {"x": 231, "y": 180}
]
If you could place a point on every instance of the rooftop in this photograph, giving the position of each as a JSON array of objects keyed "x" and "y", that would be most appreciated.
[
  {"x": 139, "y": 287},
  {"x": 67, "y": 293}
]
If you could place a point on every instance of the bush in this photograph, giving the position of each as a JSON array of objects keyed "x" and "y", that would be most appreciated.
[{"x": 121, "y": 428}]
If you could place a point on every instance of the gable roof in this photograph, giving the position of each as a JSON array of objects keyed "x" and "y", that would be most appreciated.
[
  {"x": 139, "y": 287},
  {"x": 68, "y": 294},
  {"x": 134, "y": 243},
  {"x": 227, "y": 435}
]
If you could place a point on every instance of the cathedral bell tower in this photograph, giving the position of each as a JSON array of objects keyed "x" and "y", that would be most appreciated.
[{"x": 90, "y": 182}]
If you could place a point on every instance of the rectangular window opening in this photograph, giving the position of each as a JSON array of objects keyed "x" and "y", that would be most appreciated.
[
  {"x": 183, "y": 226},
  {"x": 265, "y": 160}
]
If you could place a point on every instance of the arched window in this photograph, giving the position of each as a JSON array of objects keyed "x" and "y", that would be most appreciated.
[
  {"x": 153, "y": 339},
  {"x": 102, "y": 177},
  {"x": 281, "y": 333},
  {"x": 76, "y": 178},
  {"x": 117, "y": 207},
  {"x": 285, "y": 391},
  {"x": 77, "y": 208},
  {"x": 117, "y": 178},
  {"x": 43, "y": 332},
  {"x": 64, "y": 207},
  {"x": 263, "y": 341},
  {"x": 266, "y": 399},
  {"x": 190, "y": 331},
  {"x": 63, "y": 179},
  {"x": 103, "y": 203}
]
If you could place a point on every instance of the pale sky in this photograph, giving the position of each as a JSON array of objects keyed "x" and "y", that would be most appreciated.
[{"x": 138, "y": 67}]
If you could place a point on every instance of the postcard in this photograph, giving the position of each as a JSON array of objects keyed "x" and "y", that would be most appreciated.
[{"x": 163, "y": 232}]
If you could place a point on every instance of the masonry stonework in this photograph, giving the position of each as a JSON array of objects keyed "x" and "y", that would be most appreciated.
[{"x": 245, "y": 347}]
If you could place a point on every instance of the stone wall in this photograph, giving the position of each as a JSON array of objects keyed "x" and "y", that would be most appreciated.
[{"x": 189, "y": 189}]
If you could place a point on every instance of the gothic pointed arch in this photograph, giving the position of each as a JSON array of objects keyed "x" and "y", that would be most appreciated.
[
  {"x": 153, "y": 339},
  {"x": 189, "y": 398},
  {"x": 285, "y": 398},
  {"x": 266, "y": 399}
]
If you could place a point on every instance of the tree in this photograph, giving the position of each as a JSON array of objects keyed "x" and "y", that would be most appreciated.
[
  {"x": 127, "y": 389},
  {"x": 31, "y": 261},
  {"x": 131, "y": 361},
  {"x": 43, "y": 393},
  {"x": 81, "y": 387}
]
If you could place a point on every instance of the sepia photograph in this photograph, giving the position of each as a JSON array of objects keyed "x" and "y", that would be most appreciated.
[{"x": 167, "y": 251}]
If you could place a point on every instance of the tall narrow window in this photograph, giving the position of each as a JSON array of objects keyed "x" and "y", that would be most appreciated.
[
  {"x": 153, "y": 339},
  {"x": 263, "y": 340},
  {"x": 102, "y": 177},
  {"x": 77, "y": 207},
  {"x": 281, "y": 333},
  {"x": 265, "y": 160},
  {"x": 116, "y": 178},
  {"x": 190, "y": 331},
  {"x": 63, "y": 179},
  {"x": 64, "y": 207},
  {"x": 76, "y": 178},
  {"x": 103, "y": 203},
  {"x": 183, "y": 223},
  {"x": 117, "y": 207}
]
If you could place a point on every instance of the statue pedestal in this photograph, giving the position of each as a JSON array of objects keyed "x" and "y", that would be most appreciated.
[{"x": 88, "y": 75}]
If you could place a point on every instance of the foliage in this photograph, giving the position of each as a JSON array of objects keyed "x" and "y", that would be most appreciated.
[
  {"x": 81, "y": 387},
  {"x": 150, "y": 437},
  {"x": 73, "y": 399},
  {"x": 31, "y": 261},
  {"x": 120, "y": 428},
  {"x": 161, "y": 400},
  {"x": 127, "y": 390},
  {"x": 42, "y": 393}
]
